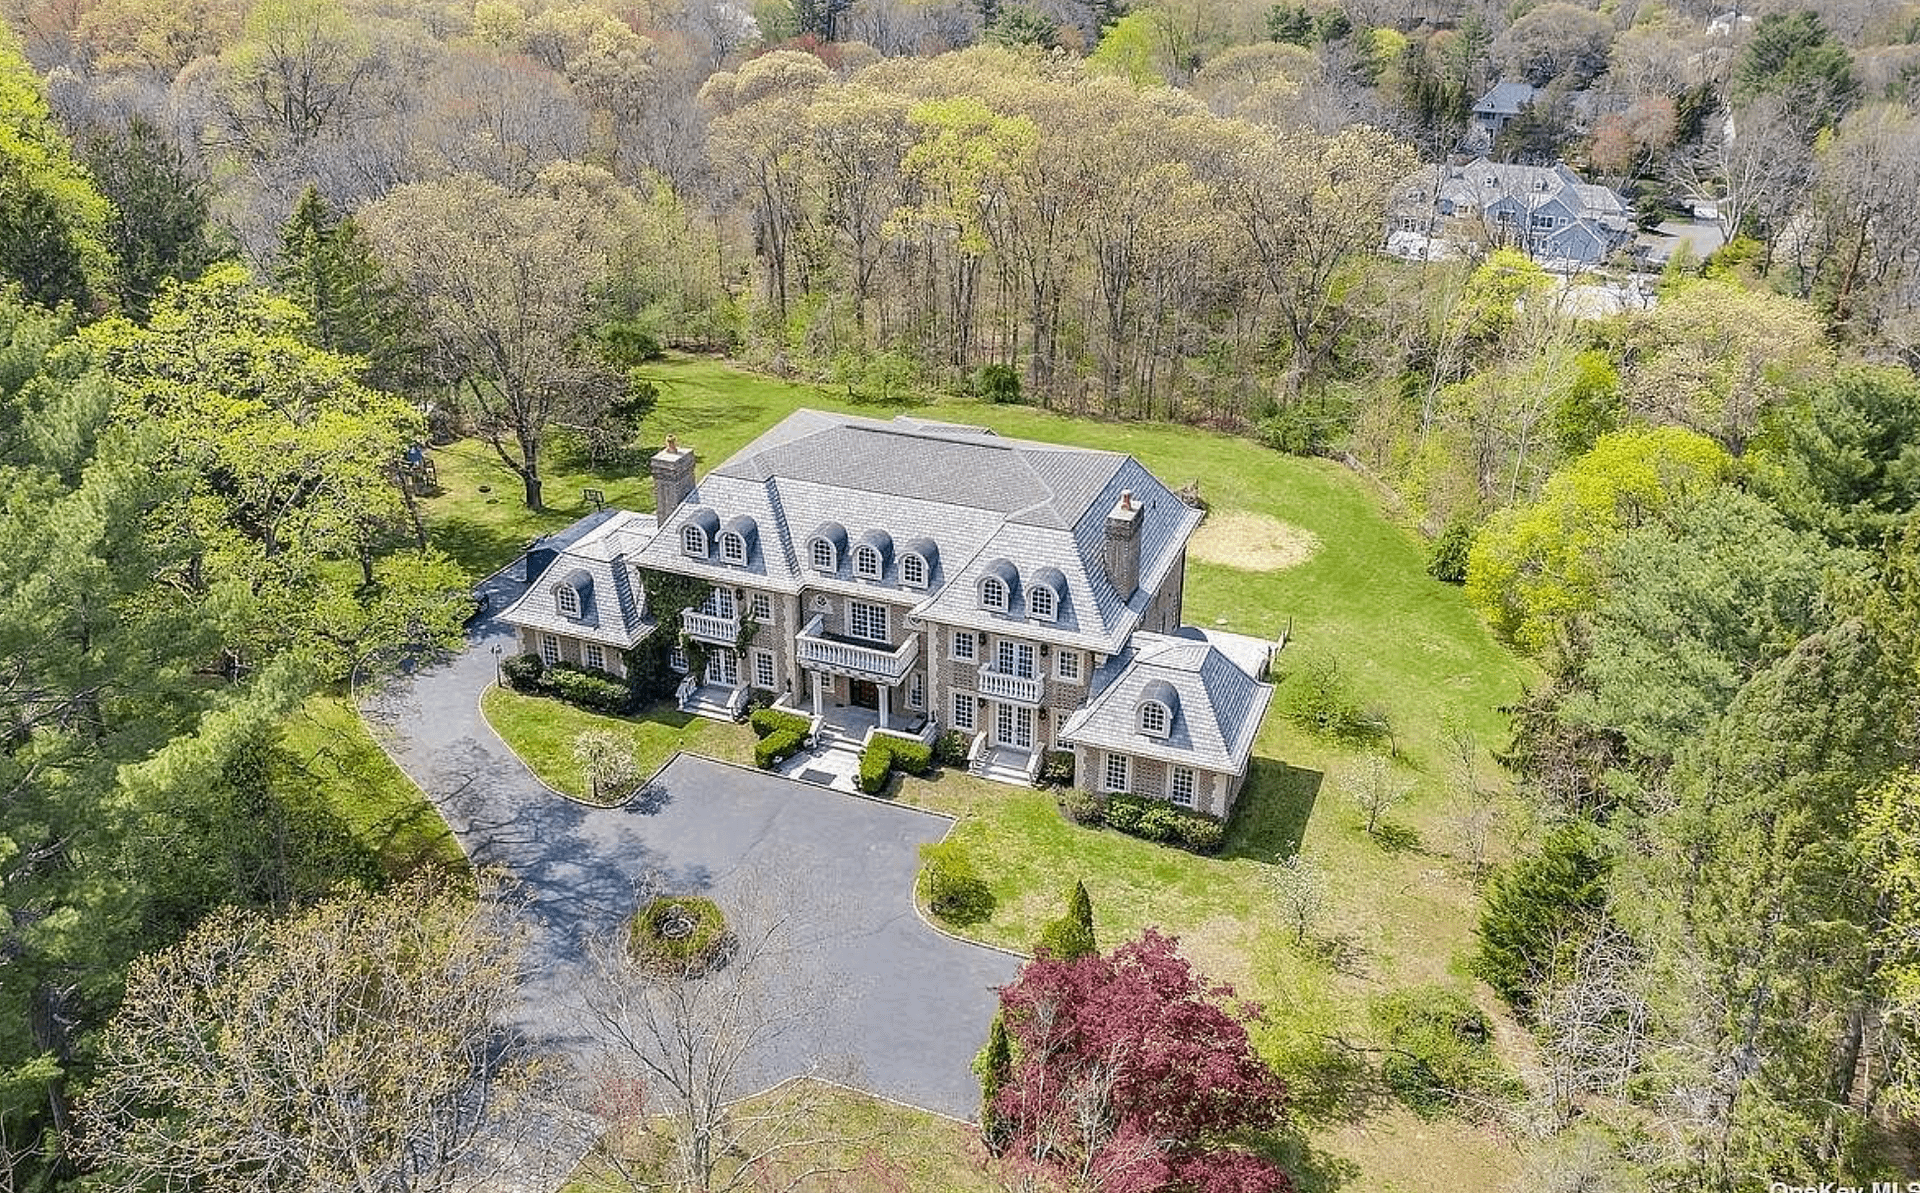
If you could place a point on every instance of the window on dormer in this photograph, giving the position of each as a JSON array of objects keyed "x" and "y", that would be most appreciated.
[
  {"x": 566, "y": 598},
  {"x": 693, "y": 541},
  {"x": 993, "y": 593},
  {"x": 823, "y": 556},
  {"x": 1040, "y": 602},
  {"x": 913, "y": 571},
  {"x": 1153, "y": 719},
  {"x": 733, "y": 548},
  {"x": 866, "y": 562}
]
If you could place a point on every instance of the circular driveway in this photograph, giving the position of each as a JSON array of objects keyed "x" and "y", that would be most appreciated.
[{"x": 906, "y": 1007}]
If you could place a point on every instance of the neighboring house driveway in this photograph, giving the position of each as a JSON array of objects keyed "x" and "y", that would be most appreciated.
[{"x": 909, "y": 1007}]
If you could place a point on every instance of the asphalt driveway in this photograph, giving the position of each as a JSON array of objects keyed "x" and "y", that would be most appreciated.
[{"x": 906, "y": 1007}]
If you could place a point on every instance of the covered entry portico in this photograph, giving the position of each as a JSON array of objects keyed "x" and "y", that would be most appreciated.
[{"x": 873, "y": 674}]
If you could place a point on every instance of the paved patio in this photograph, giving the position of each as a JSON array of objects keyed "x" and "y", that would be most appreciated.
[{"x": 908, "y": 1006}]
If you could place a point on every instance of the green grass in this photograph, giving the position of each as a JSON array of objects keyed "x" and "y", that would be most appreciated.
[
  {"x": 542, "y": 731},
  {"x": 1412, "y": 649},
  {"x": 382, "y": 809}
]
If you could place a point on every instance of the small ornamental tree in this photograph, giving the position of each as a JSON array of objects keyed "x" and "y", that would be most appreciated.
[
  {"x": 1127, "y": 1068},
  {"x": 1070, "y": 937}
]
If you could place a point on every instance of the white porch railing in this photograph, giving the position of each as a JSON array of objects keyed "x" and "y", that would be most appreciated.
[
  {"x": 687, "y": 687},
  {"x": 1002, "y": 685},
  {"x": 977, "y": 753},
  {"x": 708, "y": 627},
  {"x": 866, "y": 662}
]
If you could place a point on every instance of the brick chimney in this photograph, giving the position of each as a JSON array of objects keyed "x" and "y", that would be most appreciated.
[
  {"x": 672, "y": 468},
  {"x": 1122, "y": 555}
]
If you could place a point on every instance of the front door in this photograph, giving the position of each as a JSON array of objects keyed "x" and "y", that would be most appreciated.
[
  {"x": 723, "y": 669},
  {"x": 1013, "y": 727},
  {"x": 864, "y": 694}
]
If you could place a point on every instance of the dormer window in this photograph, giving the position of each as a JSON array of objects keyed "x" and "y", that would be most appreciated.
[
  {"x": 913, "y": 571},
  {"x": 824, "y": 556},
  {"x": 993, "y": 594},
  {"x": 1154, "y": 719},
  {"x": 1040, "y": 602},
  {"x": 566, "y": 598},
  {"x": 866, "y": 562},
  {"x": 693, "y": 541},
  {"x": 733, "y": 548}
]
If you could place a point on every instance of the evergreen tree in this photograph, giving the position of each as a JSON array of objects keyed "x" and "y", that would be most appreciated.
[
  {"x": 327, "y": 266},
  {"x": 160, "y": 227},
  {"x": 1070, "y": 937},
  {"x": 1792, "y": 55},
  {"x": 53, "y": 220},
  {"x": 994, "y": 1065}
]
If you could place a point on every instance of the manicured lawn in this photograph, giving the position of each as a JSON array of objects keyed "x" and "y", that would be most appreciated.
[
  {"x": 542, "y": 732},
  {"x": 336, "y": 758},
  {"x": 1353, "y": 586}
]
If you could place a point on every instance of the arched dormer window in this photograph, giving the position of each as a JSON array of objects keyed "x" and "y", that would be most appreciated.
[
  {"x": 993, "y": 593},
  {"x": 918, "y": 558},
  {"x": 1040, "y": 602},
  {"x": 733, "y": 548},
  {"x": 999, "y": 584},
  {"x": 700, "y": 532},
  {"x": 566, "y": 598},
  {"x": 693, "y": 541},
  {"x": 824, "y": 557},
  {"x": 1154, "y": 718},
  {"x": 866, "y": 562},
  {"x": 913, "y": 572}
]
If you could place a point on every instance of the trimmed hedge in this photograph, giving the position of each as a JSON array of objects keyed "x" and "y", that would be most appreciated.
[
  {"x": 955, "y": 890},
  {"x": 776, "y": 747},
  {"x": 768, "y": 721},
  {"x": 1153, "y": 819},
  {"x": 885, "y": 754},
  {"x": 1057, "y": 768},
  {"x": 702, "y": 949},
  {"x": 595, "y": 691},
  {"x": 950, "y": 748}
]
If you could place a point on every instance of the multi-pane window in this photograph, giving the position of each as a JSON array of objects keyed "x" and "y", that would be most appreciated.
[
  {"x": 1015, "y": 658},
  {"x": 1040, "y": 601},
  {"x": 763, "y": 669},
  {"x": 1153, "y": 718},
  {"x": 916, "y": 690},
  {"x": 549, "y": 649},
  {"x": 866, "y": 562},
  {"x": 719, "y": 603},
  {"x": 677, "y": 658},
  {"x": 1180, "y": 786},
  {"x": 693, "y": 540},
  {"x": 566, "y": 598},
  {"x": 593, "y": 656},
  {"x": 993, "y": 593},
  {"x": 963, "y": 646},
  {"x": 823, "y": 558},
  {"x": 963, "y": 711},
  {"x": 733, "y": 548},
  {"x": 913, "y": 571},
  {"x": 1069, "y": 665},
  {"x": 867, "y": 621},
  {"x": 761, "y": 606},
  {"x": 1117, "y": 772}
]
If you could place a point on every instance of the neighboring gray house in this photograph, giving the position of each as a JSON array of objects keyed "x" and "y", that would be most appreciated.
[
  {"x": 1498, "y": 107},
  {"x": 913, "y": 576},
  {"x": 1545, "y": 211}
]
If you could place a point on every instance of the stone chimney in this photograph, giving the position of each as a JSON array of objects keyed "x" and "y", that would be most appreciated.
[
  {"x": 672, "y": 468},
  {"x": 1123, "y": 545}
]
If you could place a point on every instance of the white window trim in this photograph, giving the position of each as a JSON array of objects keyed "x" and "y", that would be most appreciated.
[
  {"x": 1193, "y": 786},
  {"x": 833, "y": 555},
  {"x": 565, "y": 595},
  {"x": 550, "y": 652},
  {"x": 973, "y": 647},
  {"x": 763, "y": 655},
  {"x": 588, "y": 651},
  {"x": 1060, "y": 658},
  {"x": 994, "y": 584},
  {"x": 760, "y": 607},
  {"x": 733, "y": 547},
  {"x": 925, "y": 571},
  {"x": 1051, "y": 601},
  {"x": 867, "y": 554},
  {"x": 689, "y": 536},
  {"x": 1125, "y": 765},
  {"x": 886, "y": 621},
  {"x": 677, "y": 659},
  {"x": 1166, "y": 719},
  {"x": 917, "y": 690},
  {"x": 964, "y": 707}
]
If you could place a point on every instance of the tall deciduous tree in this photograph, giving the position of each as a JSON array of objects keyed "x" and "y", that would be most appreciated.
[{"x": 54, "y": 223}]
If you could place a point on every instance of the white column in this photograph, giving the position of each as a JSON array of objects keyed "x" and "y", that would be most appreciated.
[
  {"x": 884, "y": 689},
  {"x": 818, "y": 708}
]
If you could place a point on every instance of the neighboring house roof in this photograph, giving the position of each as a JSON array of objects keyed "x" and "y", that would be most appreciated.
[
  {"x": 975, "y": 496},
  {"x": 1216, "y": 700},
  {"x": 595, "y": 560},
  {"x": 1509, "y": 97},
  {"x": 1596, "y": 219}
]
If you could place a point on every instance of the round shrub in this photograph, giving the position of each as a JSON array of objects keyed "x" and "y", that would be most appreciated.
[
  {"x": 1057, "y": 768},
  {"x": 680, "y": 934},
  {"x": 1202, "y": 834},
  {"x": 1447, "y": 558},
  {"x": 523, "y": 672},
  {"x": 1123, "y": 812},
  {"x": 1081, "y": 807},
  {"x": 1159, "y": 822},
  {"x": 955, "y": 891},
  {"x": 950, "y": 748}
]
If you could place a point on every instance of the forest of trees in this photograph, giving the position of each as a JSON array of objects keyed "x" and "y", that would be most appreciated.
[{"x": 254, "y": 251}]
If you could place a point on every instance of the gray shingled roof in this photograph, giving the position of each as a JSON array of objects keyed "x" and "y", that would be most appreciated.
[
  {"x": 974, "y": 495},
  {"x": 1217, "y": 705},
  {"x": 1506, "y": 98},
  {"x": 597, "y": 561}
]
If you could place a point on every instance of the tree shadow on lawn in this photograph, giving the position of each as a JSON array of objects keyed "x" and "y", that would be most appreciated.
[
  {"x": 474, "y": 545},
  {"x": 1271, "y": 818},
  {"x": 1394, "y": 837}
]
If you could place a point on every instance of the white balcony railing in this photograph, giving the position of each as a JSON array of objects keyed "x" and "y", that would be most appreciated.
[
  {"x": 1003, "y": 685},
  {"x": 884, "y": 664},
  {"x": 707, "y": 627}
]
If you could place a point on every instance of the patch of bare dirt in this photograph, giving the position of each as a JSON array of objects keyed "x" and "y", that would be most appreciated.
[{"x": 1252, "y": 542}]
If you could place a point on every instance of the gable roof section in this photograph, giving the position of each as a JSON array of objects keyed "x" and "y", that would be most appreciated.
[
  {"x": 1217, "y": 712},
  {"x": 595, "y": 560},
  {"x": 1506, "y": 98}
]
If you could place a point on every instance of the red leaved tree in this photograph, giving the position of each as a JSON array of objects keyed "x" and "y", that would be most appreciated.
[{"x": 1127, "y": 1069}]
